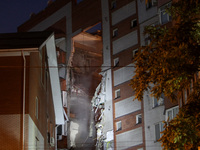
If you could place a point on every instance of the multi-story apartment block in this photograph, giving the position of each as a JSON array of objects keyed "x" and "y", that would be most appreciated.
[
  {"x": 127, "y": 114},
  {"x": 96, "y": 42},
  {"x": 31, "y": 105}
]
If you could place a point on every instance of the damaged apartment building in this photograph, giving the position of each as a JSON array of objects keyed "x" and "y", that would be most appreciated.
[{"x": 95, "y": 44}]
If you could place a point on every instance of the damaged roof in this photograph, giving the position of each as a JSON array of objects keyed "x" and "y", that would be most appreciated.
[{"x": 23, "y": 39}]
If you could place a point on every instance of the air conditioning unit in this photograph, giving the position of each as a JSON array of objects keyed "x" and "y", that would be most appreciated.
[
  {"x": 52, "y": 141},
  {"x": 59, "y": 137}
]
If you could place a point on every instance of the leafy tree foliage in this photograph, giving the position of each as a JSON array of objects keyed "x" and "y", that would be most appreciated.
[
  {"x": 171, "y": 59},
  {"x": 169, "y": 63},
  {"x": 183, "y": 132}
]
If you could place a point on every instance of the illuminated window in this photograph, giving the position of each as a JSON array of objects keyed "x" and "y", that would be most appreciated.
[
  {"x": 117, "y": 93},
  {"x": 115, "y": 32},
  {"x": 118, "y": 126},
  {"x": 139, "y": 119},
  {"x": 159, "y": 127}
]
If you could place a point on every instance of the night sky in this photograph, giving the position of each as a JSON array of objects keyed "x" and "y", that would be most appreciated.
[{"x": 15, "y": 12}]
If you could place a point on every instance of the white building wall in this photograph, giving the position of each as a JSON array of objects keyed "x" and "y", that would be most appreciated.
[
  {"x": 124, "y": 74},
  {"x": 143, "y": 13},
  {"x": 107, "y": 121},
  {"x": 126, "y": 106},
  {"x": 106, "y": 35},
  {"x": 33, "y": 133},
  {"x": 128, "y": 40},
  {"x": 108, "y": 111},
  {"x": 151, "y": 117},
  {"x": 129, "y": 139},
  {"x": 124, "y": 12},
  {"x": 54, "y": 80}
]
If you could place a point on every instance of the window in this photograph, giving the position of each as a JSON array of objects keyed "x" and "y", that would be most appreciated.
[
  {"x": 186, "y": 93},
  {"x": 133, "y": 23},
  {"x": 113, "y": 4},
  {"x": 48, "y": 137},
  {"x": 139, "y": 119},
  {"x": 147, "y": 40},
  {"x": 155, "y": 102},
  {"x": 172, "y": 112},
  {"x": 116, "y": 62},
  {"x": 117, "y": 93},
  {"x": 164, "y": 16},
  {"x": 197, "y": 76},
  {"x": 118, "y": 126},
  {"x": 191, "y": 85},
  {"x": 135, "y": 51},
  {"x": 158, "y": 102},
  {"x": 159, "y": 127},
  {"x": 150, "y": 3},
  {"x": 115, "y": 32},
  {"x": 36, "y": 107},
  {"x": 180, "y": 102},
  {"x": 43, "y": 56},
  {"x": 78, "y": 1}
]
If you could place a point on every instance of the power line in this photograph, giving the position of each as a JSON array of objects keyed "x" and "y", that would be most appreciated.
[{"x": 67, "y": 67}]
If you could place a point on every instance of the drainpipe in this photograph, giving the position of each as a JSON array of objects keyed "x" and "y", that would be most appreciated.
[
  {"x": 24, "y": 98},
  {"x": 5, "y": 51}
]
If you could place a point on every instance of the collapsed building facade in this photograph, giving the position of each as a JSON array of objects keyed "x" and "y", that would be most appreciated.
[{"x": 96, "y": 42}]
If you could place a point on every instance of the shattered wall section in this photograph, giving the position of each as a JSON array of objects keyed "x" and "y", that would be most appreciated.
[{"x": 102, "y": 106}]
